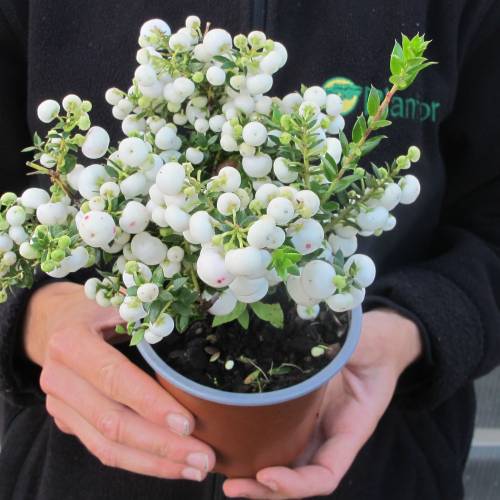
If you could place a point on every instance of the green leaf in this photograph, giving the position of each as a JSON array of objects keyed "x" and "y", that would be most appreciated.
[
  {"x": 244, "y": 319},
  {"x": 227, "y": 318},
  {"x": 158, "y": 277},
  {"x": 182, "y": 323},
  {"x": 372, "y": 143},
  {"x": 373, "y": 101},
  {"x": 179, "y": 283},
  {"x": 37, "y": 141},
  {"x": 359, "y": 129},
  {"x": 345, "y": 182},
  {"x": 69, "y": 164},
  {"x": 344, "y": 143},
  {"x": 165, "y": 296},
  {"x": 330, "y": 167},
  {"x": 120, "y": 329},
  {"x": 331, "y": 206},
  {"x": 137, "y": 337},
  {"x": 272, "y": 313},
  {"x": 381, "y": 124},
  {"x": 284, "y": 259},
  {"x": 155, "y": 309}
]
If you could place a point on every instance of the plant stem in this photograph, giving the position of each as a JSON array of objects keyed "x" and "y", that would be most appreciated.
[
  {"x": 192, "y": 271},
  {"x": 346, "y": 162}
]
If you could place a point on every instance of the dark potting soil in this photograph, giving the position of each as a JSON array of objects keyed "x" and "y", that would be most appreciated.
[{"x": 265, "y": 358}]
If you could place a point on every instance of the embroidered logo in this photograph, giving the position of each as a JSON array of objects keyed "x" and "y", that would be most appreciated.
[{"x": 406, "y": 108}]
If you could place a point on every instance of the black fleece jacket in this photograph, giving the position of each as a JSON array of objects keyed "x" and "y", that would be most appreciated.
[{"x": 440, "y": 266}]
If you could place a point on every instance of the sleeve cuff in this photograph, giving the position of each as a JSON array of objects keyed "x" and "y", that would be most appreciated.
[
  {"x": 450, "y": 327},
  {"x": 18, "y": 375}
]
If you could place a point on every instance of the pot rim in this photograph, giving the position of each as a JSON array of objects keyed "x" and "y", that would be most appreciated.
[{"x": 262, "y": 398}]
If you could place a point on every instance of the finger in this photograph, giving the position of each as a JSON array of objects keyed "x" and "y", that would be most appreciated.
[
  {"x": 62, "y": 427},
  {"x": 322, "y": 476},
  {"x": 119, "y": 424},
  {"x": 116, "y": 455},
  {"x": 114, "y": 375},
  {"x": 249, "y": 488}
]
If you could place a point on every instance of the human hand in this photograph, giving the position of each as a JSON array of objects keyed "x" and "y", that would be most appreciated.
[
  {"x": 354, "y": 402},
  {"x": 123, "y": 416}
]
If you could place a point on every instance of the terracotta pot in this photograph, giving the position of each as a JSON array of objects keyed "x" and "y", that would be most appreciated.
[{"x": 251, "y": 431}]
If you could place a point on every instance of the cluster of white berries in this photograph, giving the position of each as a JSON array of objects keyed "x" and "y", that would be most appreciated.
[{"x": 212, "y": 180}]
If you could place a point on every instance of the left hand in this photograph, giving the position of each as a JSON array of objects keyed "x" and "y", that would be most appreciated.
[{"x": 355, "y": 401}]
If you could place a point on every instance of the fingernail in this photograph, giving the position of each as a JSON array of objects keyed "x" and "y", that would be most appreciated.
[
  {"x": 198, "y": 460},
  {"x": 270, "y": 484},
  {"x": 179, "y": 424},
  {"x": 191, "y": 473}
]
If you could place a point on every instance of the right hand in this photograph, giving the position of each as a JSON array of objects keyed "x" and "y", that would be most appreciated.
[{"x": 122, "y": 415}]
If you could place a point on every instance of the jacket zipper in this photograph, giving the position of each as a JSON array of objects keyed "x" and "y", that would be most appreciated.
[
  {"x": 259, "y": 11},
  {"x": 259, "y": 15},
  {"x": 218, "y": 494}
]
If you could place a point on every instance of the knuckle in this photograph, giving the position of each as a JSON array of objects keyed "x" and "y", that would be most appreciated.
[
  {"x": 163, "y": 449},
  {"x": 109, "y": 379},
  {"x": 56, "y": 344},
  {"x": 46, "y": 379},
  {"x": 49, "y": 405},
  {"x": 110, "y": 425},
  {"x": 148, "y": 401}
]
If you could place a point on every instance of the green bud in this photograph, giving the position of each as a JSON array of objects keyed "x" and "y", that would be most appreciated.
[
  {"x": 240, "y": 41},
  {"x": 413, "y": 154},
  {"x": 84, "y": 122},
  {"x": 234, "y": 121},
  {"x": 3, "y": 296},
  {"x": 285, "y": 138},
  {"x": 359, "y": 171},
  {"x": 57, "y": 255},
  {"x": 255, "y": 206},
  {"x": 198, "y": 77},
  {"x": 173, "y": 107},
  {"x": 92, "y": 257},
  {"x": 8, "y": 199},
  {"x": 47, "y": 266},
  {"x": 41, "y": 231},
  {"x": 403, "y": 162},
  {"x": 86, "y": 106},
  {"x": 144, "y": 101},
  {"x": 217, "y": 240},
  {"x": 116, "y": 300},
  {"x": 85, "y": 208},
  {"x": 238, "y": 130},
  {"x": 339, "y": 281},
  {"x": 285, "y": 122},
  {"x": 383, "y": 171},
  {"x": 79, "y": 139},
  {"x": 190, "y": 191},
  {"x": 325, "y": 122},
  {"x": 131, "y": 267},
  {"x": 64, "y": 241},
  {"x": 269, "y": 45}
]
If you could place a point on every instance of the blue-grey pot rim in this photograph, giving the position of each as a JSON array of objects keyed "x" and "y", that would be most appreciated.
[{"x": 262, "y": 398}]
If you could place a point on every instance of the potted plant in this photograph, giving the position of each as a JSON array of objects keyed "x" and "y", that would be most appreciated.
[{"x": 223, "y": 226}]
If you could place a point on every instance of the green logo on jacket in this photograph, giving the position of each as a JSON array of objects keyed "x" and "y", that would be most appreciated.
[{"x": 407, "y": 108}]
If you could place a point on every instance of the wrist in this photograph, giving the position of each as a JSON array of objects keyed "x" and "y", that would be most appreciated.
[
  {"x": 35, "y": 329},
  {"x": 402, "y": 337}
]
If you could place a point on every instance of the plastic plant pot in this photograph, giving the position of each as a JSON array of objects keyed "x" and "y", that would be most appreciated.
[{"x": 251, "y": 431}]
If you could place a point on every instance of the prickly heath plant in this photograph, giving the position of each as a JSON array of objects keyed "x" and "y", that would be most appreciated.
[{"x": 217, "y": 196}]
